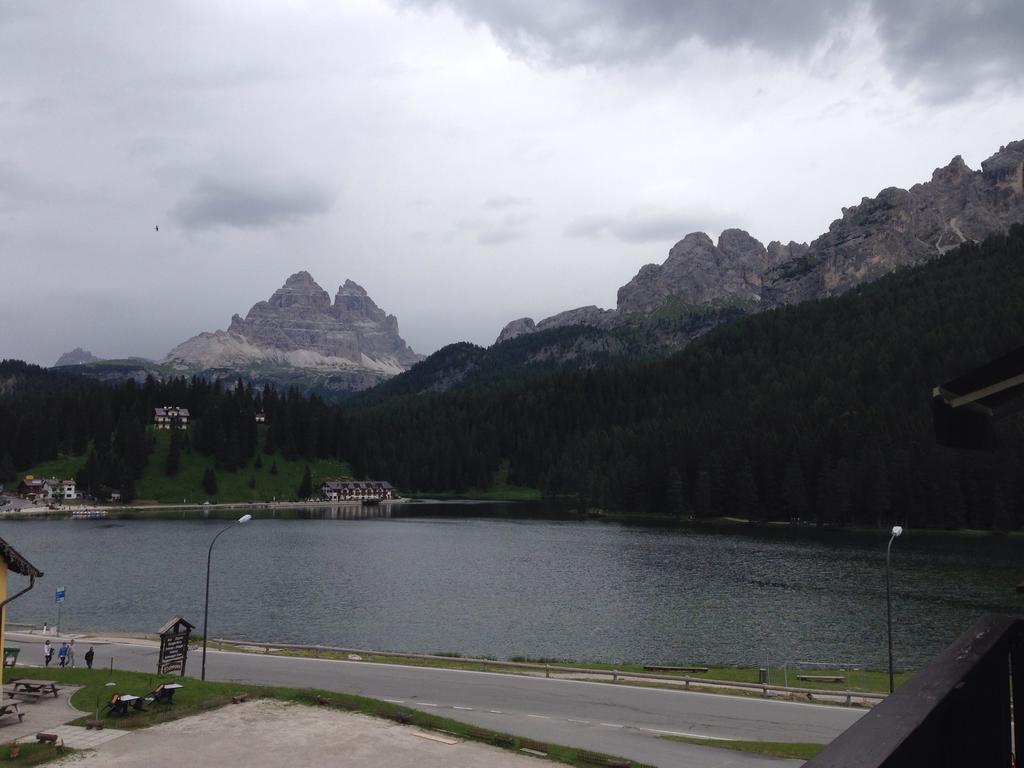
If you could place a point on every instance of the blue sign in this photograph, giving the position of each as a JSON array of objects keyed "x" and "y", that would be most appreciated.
[{"x": 60, "y": 594}]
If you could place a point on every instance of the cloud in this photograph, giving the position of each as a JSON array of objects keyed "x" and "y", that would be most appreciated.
[
  {"x": 642, "y": 228},
  {"x": 952, "y": 48},
  {"x": 496, "y": 230},
  {"x": 215, "y": 203},
  {"x": 505, "y": 201},
  {"x": 948, "y": 47}
]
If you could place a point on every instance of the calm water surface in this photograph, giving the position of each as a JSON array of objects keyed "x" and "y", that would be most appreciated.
[{"x": 451, "y": 581}]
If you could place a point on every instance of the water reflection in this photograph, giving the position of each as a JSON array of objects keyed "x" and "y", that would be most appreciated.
[{"x": 490, "y": 579}]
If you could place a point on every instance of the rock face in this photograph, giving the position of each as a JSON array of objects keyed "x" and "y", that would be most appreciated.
[
  {"x": 76, "y": 356},
  {"x": 697, "y": 272},
  {"x": 300, "y": 328},
  {"x": 901, "y": 228},
  {"x": 898, "y": 228}
]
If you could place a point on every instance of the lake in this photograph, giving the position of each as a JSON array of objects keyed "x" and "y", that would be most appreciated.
[{"x": 493, "y": 579}]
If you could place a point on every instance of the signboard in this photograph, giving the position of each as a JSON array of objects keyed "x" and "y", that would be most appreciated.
[
  {"x": 174, "y": 636},
  {"x": 173, "y": 650},
  {"x": 60, "y": 595}
]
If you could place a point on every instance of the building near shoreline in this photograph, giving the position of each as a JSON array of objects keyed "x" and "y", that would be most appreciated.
[
  {"x": 47, "y": 489},
  {"x": 356, "y": 490}
]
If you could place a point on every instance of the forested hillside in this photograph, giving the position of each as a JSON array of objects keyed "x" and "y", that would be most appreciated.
[
  {"x": 45, "y": 415},
  {"x": 818, "y": 411}
]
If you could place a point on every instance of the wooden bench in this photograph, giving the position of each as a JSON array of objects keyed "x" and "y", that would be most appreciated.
[
  {"x": 29, "y": 687},
  {"x": 490, "y": 736},
  {"x": 24, "y": 695},
  {"x": 533, "y": 747},
  {"x": 593, "y": 758},
  {"x": 50, "y": 738},
  {"x": 654, "y": 668},
  {"x": 821, "y": 678}
]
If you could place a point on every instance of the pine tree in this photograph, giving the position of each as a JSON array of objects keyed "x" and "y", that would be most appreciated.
[
  {"x": 674, "y": 492},
  {"x": 173, "y": 454},
  {"x": 306, "y": 486},
  {"x": 795, "y": 490},
  {"x": 273, "y": 468},
  {"x": 210, "y": 482}
]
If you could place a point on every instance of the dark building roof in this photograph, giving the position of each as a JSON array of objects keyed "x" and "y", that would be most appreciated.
[{"x": 16, "y": 562}]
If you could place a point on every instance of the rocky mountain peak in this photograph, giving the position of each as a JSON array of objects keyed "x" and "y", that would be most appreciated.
[
  {"x": 77, "y": 356},
  {"x": 516, "y": 328},
  {"x": 1006, "y": 167},
  {"x": 698, "y": 271},
  {"x": 903, "y": 227},
  {"x": 299, "y": 327},
  {"x": 300, "y": 290}
]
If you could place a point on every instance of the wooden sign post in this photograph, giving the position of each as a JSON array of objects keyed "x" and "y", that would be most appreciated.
[{"x": 174, "y": 637}]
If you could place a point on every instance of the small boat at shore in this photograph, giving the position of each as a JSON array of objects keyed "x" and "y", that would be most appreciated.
[{"x": 88, "y": 514}]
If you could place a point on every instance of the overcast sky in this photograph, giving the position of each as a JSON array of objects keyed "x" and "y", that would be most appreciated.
[{"x": 467, "y": 161}]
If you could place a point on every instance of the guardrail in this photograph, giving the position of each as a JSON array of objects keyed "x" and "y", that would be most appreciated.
[
  {"x": 957, "y": 711},
  {"x": 614, "y": 674}
]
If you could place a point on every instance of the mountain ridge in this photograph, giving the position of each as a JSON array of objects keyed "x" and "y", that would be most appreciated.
[{"x": 894, "y": 229}]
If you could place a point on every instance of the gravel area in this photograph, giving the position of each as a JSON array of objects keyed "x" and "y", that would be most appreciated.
[{"x": 269, "y": 734}]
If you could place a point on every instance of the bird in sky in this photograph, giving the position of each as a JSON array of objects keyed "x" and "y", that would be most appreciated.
[{"x": 157, "y": 227}]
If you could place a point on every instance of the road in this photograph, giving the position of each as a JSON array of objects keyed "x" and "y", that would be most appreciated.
[{"x": 602, "y": 717}]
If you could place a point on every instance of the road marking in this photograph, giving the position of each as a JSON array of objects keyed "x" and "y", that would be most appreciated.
[
  {"x": 466, "y": 709},
  {"x": 688, "y": 735},
  {"x": 583, "y": 722},
  {"x": 612, "y": 725},
  {"x": 540, "y": 717},
  {"x": 496, "y": 712},
  {"x": 394, "y": 701},
  {"x": 428, "y": 704}
]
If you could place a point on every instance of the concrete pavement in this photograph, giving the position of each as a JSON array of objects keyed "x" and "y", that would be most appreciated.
[{"x": 597, "y": 716}]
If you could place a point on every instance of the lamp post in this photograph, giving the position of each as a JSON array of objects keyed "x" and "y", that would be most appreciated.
[
  {"x": 896, "y": 531},
  {"x": 206, "y": 604}
]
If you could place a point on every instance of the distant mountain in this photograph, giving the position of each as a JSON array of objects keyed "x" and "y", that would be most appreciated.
[
  {"x": 547, "y": 349},
  {"x": 896, "y": 229},
  {"x": 77, "y": 356},
  {"x": 299, "y": 336}
]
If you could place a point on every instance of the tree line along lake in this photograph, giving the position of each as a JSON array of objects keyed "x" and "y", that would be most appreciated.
[{"x": 508, "y": 580}]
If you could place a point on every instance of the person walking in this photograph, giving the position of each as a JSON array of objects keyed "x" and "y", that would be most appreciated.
[
  {"x": 47, "y": 653},
  {"x": 71, "y": 653},
  {"x": 62, "y": 655},
  {"x": 89, "y": 657}
]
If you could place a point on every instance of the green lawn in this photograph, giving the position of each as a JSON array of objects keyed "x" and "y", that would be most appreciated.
[
  {"x": 231, "y": 486},
  {"x": 63, "y": 468},
  {"x": 31, "y": 754},
  {"x": 857, "y": 681},
  {"x": 198, "y": 696},
  {"x": 187, "y": 486},
  {"x": 795, "y": 750}
]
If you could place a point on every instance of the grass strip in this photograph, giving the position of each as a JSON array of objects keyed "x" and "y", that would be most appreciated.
[
  {"x": 856, "y": 681},
  {"x": 199, "y": 696},
  {"x": 796, "y": 750},
  {"x": 32, "y": 753}
]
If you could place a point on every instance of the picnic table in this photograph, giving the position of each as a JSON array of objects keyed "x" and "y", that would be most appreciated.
[
  {"x": 28, "y": 687},
  {"x": 163, "y": 693},
  {"x": 120, "y": 702},
  {"x": 11, "y": 708}
]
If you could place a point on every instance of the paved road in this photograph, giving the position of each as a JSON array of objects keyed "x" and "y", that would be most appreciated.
[{"x": 599, "y": 716}]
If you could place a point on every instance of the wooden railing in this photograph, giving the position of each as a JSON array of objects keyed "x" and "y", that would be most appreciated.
[{"x": 957, "y": 711}]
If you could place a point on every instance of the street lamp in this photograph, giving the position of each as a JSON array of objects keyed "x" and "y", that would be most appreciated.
[
  {"x": 896, "y": 531},
  {"x": 206, "y": 605}
]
